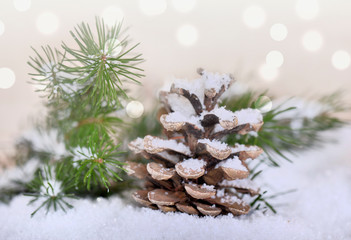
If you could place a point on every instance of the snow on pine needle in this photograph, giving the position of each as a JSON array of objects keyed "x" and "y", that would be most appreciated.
[
  {"x": 50, "y": 189},
  {"x": 46, "y": 141}
]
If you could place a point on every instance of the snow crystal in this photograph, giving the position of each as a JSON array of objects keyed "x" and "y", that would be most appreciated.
[
  {"x": 253, "y": 134},
  {"x": 181, "y": 104},
  {"x": 249, "y": 115},
  {"x": 179, "y": 117},
  {"x": 218, "y": 128},
  {"x": 51, "y": 187},
  {"x": 194, "y": 87},
  {"x": 81, "y": 153},
  {"x": 216, "y": 80},
  {"x": 242, "y": 147},
  {"x": 171, "y": 144},
  {"x": 214, "y": 143},
  {"x": 193, "y": 164},
  {"x": 240, "y": 183},
  {"x": 173, "y": 158},
  {"x": 139, "y": 143},
  {"x": 220, "y": 193},
  {"x": 223, "y": 114},
  {"x": 233, "y": 163},
  {"x": 208, "y": 187},
  {"x": 230, "y": 199},
  {"x": 236, "y": 89}
]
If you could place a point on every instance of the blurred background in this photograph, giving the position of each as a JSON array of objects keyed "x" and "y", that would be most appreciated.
[{"x": 291, "y": 47}]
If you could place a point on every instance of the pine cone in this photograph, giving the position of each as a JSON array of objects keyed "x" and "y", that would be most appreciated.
[{"x": 192, "y": 171}]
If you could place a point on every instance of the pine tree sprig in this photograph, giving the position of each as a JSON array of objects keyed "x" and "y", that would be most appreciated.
[
  {"x": 98, "y": 163},
  {"x": 102, "y": 65}
]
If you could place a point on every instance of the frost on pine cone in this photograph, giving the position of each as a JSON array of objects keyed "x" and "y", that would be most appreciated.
[{"x": 192, "y": 171}]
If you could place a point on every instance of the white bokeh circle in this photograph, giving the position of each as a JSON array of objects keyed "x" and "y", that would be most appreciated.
[
  {"x": 47, "y": 23},
  {"x": 278, "y": 32},
  {"x": 22, "y": 5},
  {"x": 112, "y": 15},
  {"x": 187, "y": 35},
  {"x": 7, "y": 78},
  {"x": 268, "y": 73},
  {"x": 341, "y": 60},
  {"x": 274, "y": 59},
  {"x": 307, "y": 9},
  {"x": 184, "y": 5},
  {"x": 263, "y": 104},
  {"x": 2, "y": 28},
  {"x": 153, "y": 7},
  {"x": 134, "y": 109},
  {"x": 254, "y": 16},
  {"x": 312, "y": 40}
]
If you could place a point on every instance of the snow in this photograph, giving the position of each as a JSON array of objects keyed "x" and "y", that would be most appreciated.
[
  {"x": 319, "y": 209},
  {"x": 214, "y": 143},
  {"x": 194, "y": 87},
  {"x": 216, "y": 80},
  {"x": 240, "y": 183},
  {"x": 193, "y": 164},
  {"x": 233, "y": 163},
  {"x": 223, "y": 114},
  {"x": 138, "y": 143},
  {"x": 82, "y": 153},
  {"x": 180, "y": 104},
  {"x": 304, "y": 109},
  {"x": 242, "y": 147},
  {"x": 248, "y": 115},
  {"x": 171, "y": 144},
  {"x": 51, "y": 187},
  {"x": 179, "y": 117},
  {"x": 230, "y": 199},
  {"x": 208, "y": 187},
  {"x": 23, "y": 173},
  {"x": 46, "y": 141},
  {"x": 173, "y": 158}
]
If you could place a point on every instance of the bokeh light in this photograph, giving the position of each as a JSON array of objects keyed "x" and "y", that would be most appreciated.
[
  {"x": 153, "y": 7},
  {"x": 307, "y": 9},
  {"x": 22, "y": 5},
  {"x": 113, "y": 47},
  {"x": 135, "y": 109},
  {"x": 268, "y": 73},
  {"x": 274, "y": 59},
  {"x": 263, "y": 104},
  {"x": 2, "y": 28},
  {"x": 112, "y": 15},
  {"x": 47, "y": 23},
  {"x": 254, "y": 16},
  {"x": 187, "y": 35},
  {"x": 184, "y": 5},
  {"x": 312, "y": 40},
  {"x": 7, "y": 78},
  {"x": 278, "y": 32},
  {"x": 341, "y": 60}
]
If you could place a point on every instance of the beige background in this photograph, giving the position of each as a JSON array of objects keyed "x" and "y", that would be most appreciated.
[{"x": 224, "y": 43}]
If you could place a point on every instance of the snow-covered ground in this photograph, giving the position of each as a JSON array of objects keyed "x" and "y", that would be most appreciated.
[{"x": 320, "y": 209}]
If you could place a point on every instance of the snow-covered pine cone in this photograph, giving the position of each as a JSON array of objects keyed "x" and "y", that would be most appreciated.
[{"x": 192, "y": 171}]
